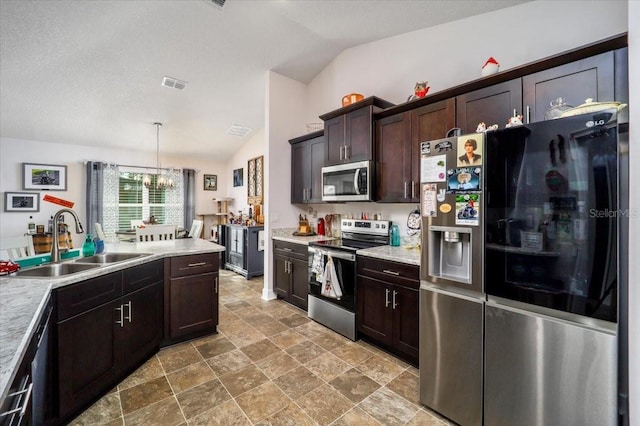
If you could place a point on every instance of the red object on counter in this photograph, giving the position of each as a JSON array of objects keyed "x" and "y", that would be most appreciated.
[
  {"x": 8, "y": 267},
  {"x": 321, "y": 226}
]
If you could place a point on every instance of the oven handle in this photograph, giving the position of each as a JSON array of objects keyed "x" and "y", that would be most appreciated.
[{"x": 336, "y": 254}]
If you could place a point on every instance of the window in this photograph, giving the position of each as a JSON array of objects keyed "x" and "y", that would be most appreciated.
[
  {"x": 138, "y": 202},
  {"x": 126, "y": 198}
]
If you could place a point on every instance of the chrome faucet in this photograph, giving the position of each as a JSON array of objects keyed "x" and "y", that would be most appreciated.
[{"x": 55, "y": 246}]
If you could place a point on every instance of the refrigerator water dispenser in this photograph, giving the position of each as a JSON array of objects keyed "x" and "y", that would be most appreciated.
[{"x": 450, "y": 253}]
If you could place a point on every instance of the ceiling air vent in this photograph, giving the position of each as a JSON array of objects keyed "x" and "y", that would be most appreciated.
[
  {"x": 238, "y": 130},
  {"x": 174, "y": 82},
  {"x": 218, "y": 3}
]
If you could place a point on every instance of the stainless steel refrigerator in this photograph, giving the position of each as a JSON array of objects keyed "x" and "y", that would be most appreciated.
[
  {"x": 554, "y": 271},
  {"x": 451, "y": 291},
  {"x": 524, "y": 274}
]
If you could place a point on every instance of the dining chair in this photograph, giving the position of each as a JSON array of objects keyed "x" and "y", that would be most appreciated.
[
  {"x": 16, "y": 247},
  {"x": 135, "y": 223},
  {"x": 196, "y": 228},
  {"x": 156, "y": 233}
]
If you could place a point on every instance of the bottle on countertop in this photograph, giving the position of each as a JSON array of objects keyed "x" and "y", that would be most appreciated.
[
  {"x": 31, "y": 226},
  {"x": 394, "y": 236},
  {"x": 50, "y": 227},
  {"x": 88, "y": 248}
]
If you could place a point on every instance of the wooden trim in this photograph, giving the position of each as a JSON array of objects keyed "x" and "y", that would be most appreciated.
[
  {"x": 606, "y": 45},
  {"x": 306, "y": 137},
  {"x": 370, "y": 101}
]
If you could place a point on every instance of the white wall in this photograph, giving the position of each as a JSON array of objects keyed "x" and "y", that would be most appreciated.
[
  {"x": 452, "y": 54},
  {"x": 14, "y": 152},
  {"x": 285, "y": 109},
  {"x": 254, "y": 147}
]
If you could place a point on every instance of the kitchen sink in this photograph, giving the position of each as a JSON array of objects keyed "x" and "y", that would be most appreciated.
[
  {"x": 110, "y": 257},
  {"x": 54, "y": 270}
]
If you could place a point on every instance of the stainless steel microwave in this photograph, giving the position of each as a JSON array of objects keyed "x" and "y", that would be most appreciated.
[{"x": 347, "y": 182}]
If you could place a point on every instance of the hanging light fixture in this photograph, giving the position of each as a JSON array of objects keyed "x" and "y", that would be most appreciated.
[{"x": 161, "y": 181}]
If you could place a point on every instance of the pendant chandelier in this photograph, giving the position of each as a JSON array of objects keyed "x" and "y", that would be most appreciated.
[{"x": 162, "y": 181}]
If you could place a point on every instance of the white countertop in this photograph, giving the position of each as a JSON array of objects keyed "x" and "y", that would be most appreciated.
[
  {"x": 22, "y": 300},
  {"x": 286, "y": 234},
  {"x": 401, "y": 254}
]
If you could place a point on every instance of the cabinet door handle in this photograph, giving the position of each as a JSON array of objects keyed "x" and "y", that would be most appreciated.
[
  {"x": 528, "y": 114},
  {"x": 347, "y": 154},
  {"x": 216, "y": 285},
  {"x": 308, "y": 194},
  {"x": 121, "y": 322},
  {"x": 413, "y": 189},
  {"x": 405, "y": 189},
  {"x": 285, "y": 249},
  {"x": 386, "y": 297},
  {"x": 193, "y": 265},
  {"x": 386, "y": 271},
  {"x": 128, "y": 305},
  {"x": 515, "y": 112},
  {"x": 394, "y": 299},
  {"x": 25, "y": 404},
  {"x": 341, "y": 148}
]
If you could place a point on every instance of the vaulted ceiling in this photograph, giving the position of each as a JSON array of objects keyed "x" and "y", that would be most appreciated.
[{"x": 89, "y": 72}]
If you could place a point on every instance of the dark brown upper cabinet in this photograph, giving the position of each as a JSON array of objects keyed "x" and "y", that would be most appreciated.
[{"x": 348, "y": 131}]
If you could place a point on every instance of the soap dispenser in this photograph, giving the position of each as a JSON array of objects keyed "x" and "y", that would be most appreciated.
[{"x": 88, "y": 248}]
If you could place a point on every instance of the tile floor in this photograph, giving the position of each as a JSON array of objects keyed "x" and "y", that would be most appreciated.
[{"x": 268, "y": 365}]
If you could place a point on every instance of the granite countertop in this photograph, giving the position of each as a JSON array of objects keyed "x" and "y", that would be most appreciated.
[
  {"x": 400, "y": 254},
  {"x": 286, "y": 234},
  {"x": 22, "y": 300}
]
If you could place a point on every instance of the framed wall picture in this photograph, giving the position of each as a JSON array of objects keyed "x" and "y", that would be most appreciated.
[
  {"x": 237, "y": 177},
  {"x": 21, "y": 202},
  {"x": 44, "y": 177},
  {"x": 210, "y": 182}
]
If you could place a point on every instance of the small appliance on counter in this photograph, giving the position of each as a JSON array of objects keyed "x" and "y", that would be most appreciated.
[{"x": 304, "y": 228}]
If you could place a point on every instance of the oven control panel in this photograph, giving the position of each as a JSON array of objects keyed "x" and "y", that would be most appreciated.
[{"x": 373, "y": 227}]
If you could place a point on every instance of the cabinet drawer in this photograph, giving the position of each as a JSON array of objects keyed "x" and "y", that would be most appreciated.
[
  {"x": 182, "y": 266},
  {"x": 77, "y": 298},
  {"x": 284, "y": 248},
  {"x": 388, "y": 271},
  {"x": 142, "y": 275}
]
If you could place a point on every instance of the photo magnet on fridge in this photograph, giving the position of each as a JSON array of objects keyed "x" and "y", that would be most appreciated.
[
  {"x": 468, "y": 209},
  {"x": 463, "y": 179}
]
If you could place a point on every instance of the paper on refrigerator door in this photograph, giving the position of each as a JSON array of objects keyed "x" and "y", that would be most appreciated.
[
  {"x": 433, "y": 169},
  {"x": 429, "y": 206}
]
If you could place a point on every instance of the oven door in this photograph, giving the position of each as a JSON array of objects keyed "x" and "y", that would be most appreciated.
[{"x": 345, "y": 266}]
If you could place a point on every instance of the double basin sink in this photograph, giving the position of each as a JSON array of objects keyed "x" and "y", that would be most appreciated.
[{"x": 82, "y": 264}]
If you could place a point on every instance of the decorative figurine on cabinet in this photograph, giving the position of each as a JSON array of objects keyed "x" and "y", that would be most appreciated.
[
  {"x": 419, "y": 91},
  {"x": 483, "y": 127},
  {"x": 514, "y": 121},
  {"x": 490, "y": 67}
]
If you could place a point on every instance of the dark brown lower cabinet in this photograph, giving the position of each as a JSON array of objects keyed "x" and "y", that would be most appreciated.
[
  {"x": 387, "y": 306},
  {"x": 191, "y": 296},
  {"x": 291, "y": 272},
  {"x": 103, "y": 334}
]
